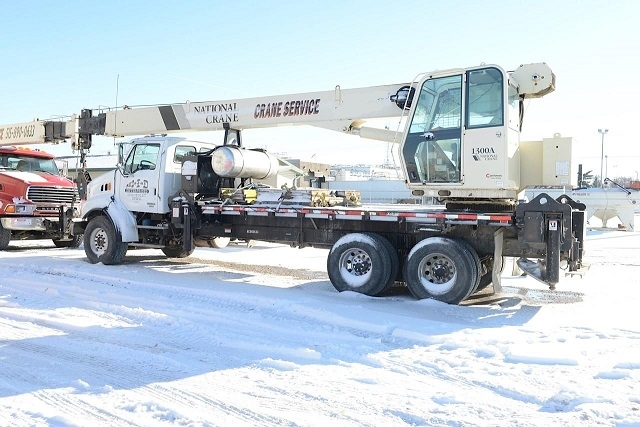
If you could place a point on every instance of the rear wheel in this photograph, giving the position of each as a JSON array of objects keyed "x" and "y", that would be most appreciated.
[
  {"x": 103, "y": 243},
  {"x": 5, "y": 237},
  {"x": 360, "y": 263},
  {"x": 442, "y": 269},
  {"x": 476, "y": 262},
  {"x": 393, "y": 258},
  {"x": 73, "y": 242}
]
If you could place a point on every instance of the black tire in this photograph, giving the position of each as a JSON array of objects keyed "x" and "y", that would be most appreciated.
[
  {"x": 5, "y": 237},
  {"x": 393, "y": 258},
  {"x": 178, "y": 252},
  {"x": 441, "y": 268},
  {"x": 476, "y": 261},
  {"x": 74, "y": 242},
  {"x": 360, "y": 263},
  {"x": 102, "y": 243}
]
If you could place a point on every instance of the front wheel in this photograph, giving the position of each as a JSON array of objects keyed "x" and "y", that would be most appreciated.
[
  {"x": 5, "y": 237},
  {"x": 103, "y": 243},
  {"x": 360, "y": 263},
  {"x": 74, "y": 242},
  {"x": 178, "y": 252},
  {"x": 442, "y": 269}
]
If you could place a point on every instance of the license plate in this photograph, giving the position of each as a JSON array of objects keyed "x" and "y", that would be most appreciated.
[{"x": 24, "y": 221}]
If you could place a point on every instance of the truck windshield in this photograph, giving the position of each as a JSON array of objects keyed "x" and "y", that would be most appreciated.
[{"x": 28, "y": 164}]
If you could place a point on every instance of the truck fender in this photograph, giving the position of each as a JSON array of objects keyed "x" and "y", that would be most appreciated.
[{"x": 123, "y": 220}]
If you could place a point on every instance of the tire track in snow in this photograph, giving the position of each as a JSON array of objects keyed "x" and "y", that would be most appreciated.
[{"x": 221, "y": 408}]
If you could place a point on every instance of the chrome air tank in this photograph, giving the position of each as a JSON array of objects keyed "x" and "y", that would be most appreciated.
[{"x": 235, "y": 162}]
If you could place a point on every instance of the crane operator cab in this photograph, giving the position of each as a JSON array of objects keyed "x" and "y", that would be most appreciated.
[{"x": 462, "y": 141}]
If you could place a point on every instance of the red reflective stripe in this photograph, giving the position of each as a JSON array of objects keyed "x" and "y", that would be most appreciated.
[
  {"x": 500, "y": 218},
  {"x": 472, "y": 217},
  {"x": 437, "y": 215}
]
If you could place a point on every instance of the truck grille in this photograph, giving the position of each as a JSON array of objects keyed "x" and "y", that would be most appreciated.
[{"x": 53, "y": 194}]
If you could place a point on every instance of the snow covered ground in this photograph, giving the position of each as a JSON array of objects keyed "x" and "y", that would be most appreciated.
[{"x": 218, "y": 340}]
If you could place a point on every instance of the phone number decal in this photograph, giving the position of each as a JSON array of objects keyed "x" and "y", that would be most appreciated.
[{"x": 16, "y": 132}]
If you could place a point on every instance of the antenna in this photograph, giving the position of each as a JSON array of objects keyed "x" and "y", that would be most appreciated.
[{"x": 116, "y": 112}]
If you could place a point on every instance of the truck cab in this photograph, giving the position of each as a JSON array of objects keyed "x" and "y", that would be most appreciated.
[
  {"x": 462, "y": 141},
  {"x": 36, "y": 200},
  {"x": 148, "y": 174}
]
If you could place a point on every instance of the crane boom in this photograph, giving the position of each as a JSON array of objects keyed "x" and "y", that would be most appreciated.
[
  {"x": 37, "y": 132},
  {"x": 339, "y": 109}
]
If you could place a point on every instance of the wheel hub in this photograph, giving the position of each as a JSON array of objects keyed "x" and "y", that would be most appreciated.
[
  {"x": 439, "y": 269},
  {"x": 358, "y": 263},
  {"x": 99, "y": 241},
  {"x": 440, "y": 272}
]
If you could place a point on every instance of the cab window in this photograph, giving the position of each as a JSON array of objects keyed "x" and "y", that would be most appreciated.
[
  {"x": 484, "y": 98},
  {"x": 28, "y": 164},
  {"x": 182, "y": 151},
  {"x": 142, "y": 157}
]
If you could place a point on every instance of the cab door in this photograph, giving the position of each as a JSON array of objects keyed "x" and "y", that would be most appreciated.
[
  {"x": 488, "y": 149},
  {"x": 431, "y": 150},
  {"x": 139, "y": 178}
]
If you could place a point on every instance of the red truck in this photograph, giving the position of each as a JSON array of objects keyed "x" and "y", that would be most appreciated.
[{"x": 36, "y": 200}]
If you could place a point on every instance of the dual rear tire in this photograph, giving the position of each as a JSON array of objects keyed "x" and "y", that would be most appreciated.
[
  {"x": 366, "y": 263},
  {"x": 441, "y": 268},
  {"x": 444, "y": 269}
]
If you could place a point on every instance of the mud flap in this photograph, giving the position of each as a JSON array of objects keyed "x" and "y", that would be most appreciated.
[
  {"x": 496, "y": 271},
  {"x": 186, "y": 231},
  {"x": 531, "y": 268}
]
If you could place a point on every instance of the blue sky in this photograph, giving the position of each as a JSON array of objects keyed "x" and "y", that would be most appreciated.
[{"x": 61, "y": 57}]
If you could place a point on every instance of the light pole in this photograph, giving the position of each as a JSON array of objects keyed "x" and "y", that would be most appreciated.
[{"x": 602, "y": 132}]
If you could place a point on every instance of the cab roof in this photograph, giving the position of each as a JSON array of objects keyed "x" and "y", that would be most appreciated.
[{"x": 22, "y": 151}]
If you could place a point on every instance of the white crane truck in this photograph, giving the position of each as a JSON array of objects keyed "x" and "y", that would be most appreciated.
[{"x": 458, "y": 141}]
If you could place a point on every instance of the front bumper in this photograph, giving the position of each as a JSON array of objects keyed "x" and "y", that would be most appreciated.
[{"x": 31, "y": 223}]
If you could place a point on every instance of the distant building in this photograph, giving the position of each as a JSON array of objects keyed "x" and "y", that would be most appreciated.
[
  {"x": 313, "y": 174},
  {"x": 96, "y": 164},
  {"x": 364, "y": 172},
  {"x": 378, "y": 191}
]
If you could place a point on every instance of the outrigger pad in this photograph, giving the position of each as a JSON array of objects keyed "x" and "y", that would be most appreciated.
[{"x": 534, "y": 269}]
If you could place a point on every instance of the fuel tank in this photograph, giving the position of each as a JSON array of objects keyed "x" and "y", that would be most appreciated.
[{"x": 236, "y": 162}]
